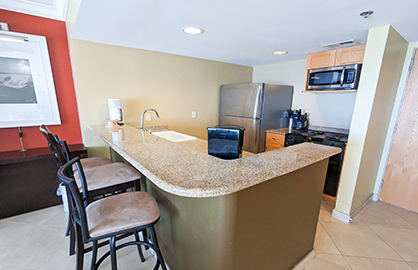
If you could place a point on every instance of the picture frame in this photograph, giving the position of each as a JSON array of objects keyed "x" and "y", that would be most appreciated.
[{"x": 27, "y": 90}]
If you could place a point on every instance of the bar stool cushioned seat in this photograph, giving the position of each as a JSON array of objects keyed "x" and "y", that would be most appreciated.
[
  {"x": 120, "y": 213},
  {"x": 107, "y": 175},
  {"x": 110, "y": 217},
  {"x": 92, "y": 162}
]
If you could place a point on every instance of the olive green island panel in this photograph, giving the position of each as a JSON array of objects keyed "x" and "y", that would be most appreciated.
[
  {"x": 268, "y": 226},
  {"x": 255, "y": 212}
]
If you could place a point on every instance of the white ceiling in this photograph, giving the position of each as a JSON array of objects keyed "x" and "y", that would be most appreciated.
[{"x": 242, "y": 32}]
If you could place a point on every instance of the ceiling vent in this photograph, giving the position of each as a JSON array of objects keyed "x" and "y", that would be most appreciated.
[{"x": 341, "y": 44}]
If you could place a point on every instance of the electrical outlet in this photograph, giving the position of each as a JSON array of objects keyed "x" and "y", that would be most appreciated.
[
  {"x": 193, "y": 114},
  {"x": 147, "y": 117}
]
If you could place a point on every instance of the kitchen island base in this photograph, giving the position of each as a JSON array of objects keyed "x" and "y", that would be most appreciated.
[{"x": 270, "y": 225}]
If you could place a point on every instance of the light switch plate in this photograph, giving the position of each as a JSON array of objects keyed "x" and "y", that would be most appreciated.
[
  {"x": 147, "y": 117},
  {"x": 193, "y": 114},
  {"x": 4, "y": 26}
]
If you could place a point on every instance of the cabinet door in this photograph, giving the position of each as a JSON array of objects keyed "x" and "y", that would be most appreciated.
[
  {"x": 270, "y": 147},
  {"x": 274, "y": 141},
  {"x": 320, "y": 60},
  {"x": 349, "y": 56}
]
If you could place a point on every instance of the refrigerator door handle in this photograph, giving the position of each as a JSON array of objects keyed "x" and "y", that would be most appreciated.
[{"x": 256, "y": 128}]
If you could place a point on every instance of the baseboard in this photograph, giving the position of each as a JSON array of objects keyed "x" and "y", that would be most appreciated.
[
  {"x": 341, "y": 216},
  {"x": 328, "y": 198},
  {"x": 305, "y": 261},
  {"x": 375, "y": 197},
  {"x": 348, "y": 218}
]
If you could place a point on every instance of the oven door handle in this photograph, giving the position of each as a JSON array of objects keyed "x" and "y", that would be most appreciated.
[{"x": 342, "y": 77}]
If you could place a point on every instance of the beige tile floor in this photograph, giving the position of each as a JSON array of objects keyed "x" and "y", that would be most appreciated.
[
  {"x": 36, "y": 241},
  {"x": 381, "y": 237}
]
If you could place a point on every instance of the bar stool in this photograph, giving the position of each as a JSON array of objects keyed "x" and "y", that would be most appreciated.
[
  {"x": 109, "y": 218},
  {"x": 64, "y": 156},
  {"x": 102, "y": 177}
]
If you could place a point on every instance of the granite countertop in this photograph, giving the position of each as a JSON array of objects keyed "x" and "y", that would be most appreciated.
[
  {"x": 202, "y": 146},
  {"x": 184, "y": 169}
]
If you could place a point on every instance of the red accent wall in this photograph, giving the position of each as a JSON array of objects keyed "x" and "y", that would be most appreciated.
[{"x": 56, "y": 37}]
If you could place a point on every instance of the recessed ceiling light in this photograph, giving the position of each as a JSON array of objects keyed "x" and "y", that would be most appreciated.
[
  {"x": 280, "y": 52},
  {"x": 366, "y": 14},
  {"x": 193, "y": 30}
]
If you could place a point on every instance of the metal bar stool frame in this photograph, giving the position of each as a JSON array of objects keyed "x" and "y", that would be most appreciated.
[
  {"x": 78, "y": 215},
  {"x": 61, "y": 154}
]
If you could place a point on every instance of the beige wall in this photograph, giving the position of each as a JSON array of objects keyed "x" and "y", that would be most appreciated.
[
  {"x": 382, "y": 67},
  {"x": 173, "y": 85},
  {"x": 325, "y": 109}
]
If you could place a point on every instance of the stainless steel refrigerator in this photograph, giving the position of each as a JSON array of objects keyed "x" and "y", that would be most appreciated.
[{"x": 257, "y": 107}]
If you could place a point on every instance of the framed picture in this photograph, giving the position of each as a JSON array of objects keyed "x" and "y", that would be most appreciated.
[{"x": 27, "y": 91}]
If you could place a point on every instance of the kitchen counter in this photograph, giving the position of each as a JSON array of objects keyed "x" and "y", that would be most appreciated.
[
  {"x": 280, "y": 131},
  {"x": 184, "y": 168},
  {"x": 255, "y": 212},
  {"x": 284, "y": 131}
]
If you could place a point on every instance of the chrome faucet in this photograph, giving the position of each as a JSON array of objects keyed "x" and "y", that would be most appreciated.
[{"x": 142, "y": 116}]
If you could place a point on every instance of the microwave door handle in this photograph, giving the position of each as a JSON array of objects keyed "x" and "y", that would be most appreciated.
[{"x": 342, "y": 77}]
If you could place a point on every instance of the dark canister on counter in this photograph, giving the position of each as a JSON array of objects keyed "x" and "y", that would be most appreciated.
[
  {"x": 300, "y": 121},
  {"x": 225, "y": 141}
]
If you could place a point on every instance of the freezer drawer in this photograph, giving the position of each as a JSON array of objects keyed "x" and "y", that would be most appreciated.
[{"x": 251, "y": 133}]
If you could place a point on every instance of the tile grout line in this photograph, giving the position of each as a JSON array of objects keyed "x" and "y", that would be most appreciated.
[
  {"x": 335, "y": 245},
  {"x": 385, "y": 241},
  {"x": 348, "y": 263},
  {"x": 364, "y": 223},
  {"x": 409, "y": 263},
  {"x": 373, "y": 258},
  {"x": 380, "y": 225},
  {"x": 377, "y": 259},
  {"x": 393, "y": 212},
  {"x": 400, "y": 215}
]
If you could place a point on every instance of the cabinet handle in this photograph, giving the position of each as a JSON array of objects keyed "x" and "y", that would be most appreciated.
[
  {"x": 342, "y": 77},
  {"x": 274, "y": 138}
]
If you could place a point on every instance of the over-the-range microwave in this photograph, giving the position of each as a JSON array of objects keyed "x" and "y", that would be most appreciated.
[{"x": 334, "y": 78}]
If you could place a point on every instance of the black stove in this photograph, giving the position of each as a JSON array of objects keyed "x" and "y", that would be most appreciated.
[
  {"x": 319, "y": 136},
  {"x": 335, "y": 162}
]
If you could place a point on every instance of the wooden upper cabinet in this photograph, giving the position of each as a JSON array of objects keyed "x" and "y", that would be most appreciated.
[
  {"x": 320, "y": 60},
  {"x": 349, "y": 56},
  {"x": 340, "y": 57}
]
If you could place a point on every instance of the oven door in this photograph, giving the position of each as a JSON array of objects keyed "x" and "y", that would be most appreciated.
[{"x": 332, "y": 179}]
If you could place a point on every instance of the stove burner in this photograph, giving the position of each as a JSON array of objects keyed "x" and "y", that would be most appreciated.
[{"x": 319, "y": 136}]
